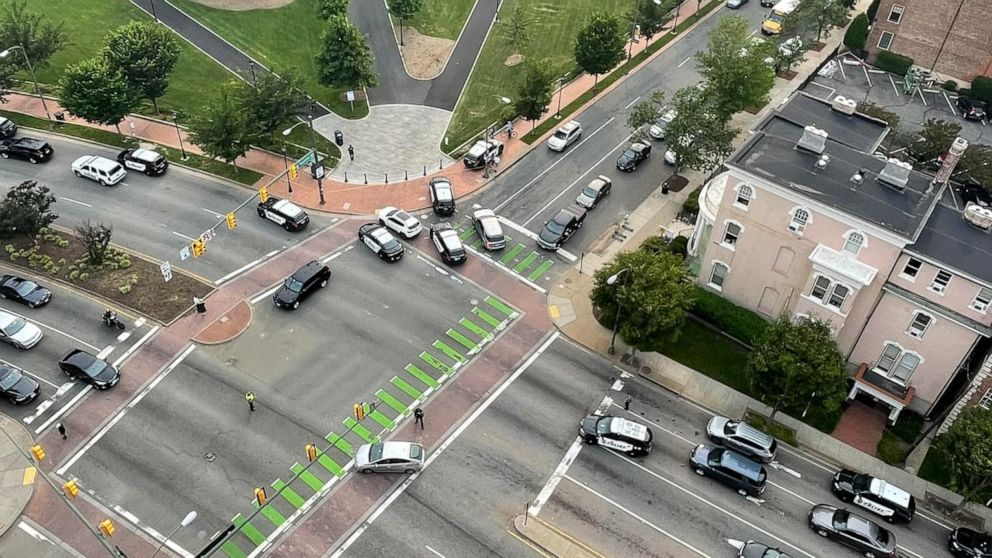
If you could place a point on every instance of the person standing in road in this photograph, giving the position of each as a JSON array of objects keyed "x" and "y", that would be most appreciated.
[
  {"x": 61, "y": 429},
  {"x": 626, "y": 404},
  {"x": 351, "y": 152},
  {"x": 418, "y": 415},
  {"x": 250, "y": 398}
]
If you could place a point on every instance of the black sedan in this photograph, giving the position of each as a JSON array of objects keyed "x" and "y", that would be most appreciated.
[
  {"x": 449, "y": 246},
  {"x": 24, "y": 291},
  {"x": 380, "y": 241},
  {"x": 82, "y": 366},
  {"x": 968, "y": 543},
  {"x": 633, "y": 155},
  {"x": 755, "y": 549},
  {"x": 863, "y": 535},
  {"x": 16, "y": 386}
]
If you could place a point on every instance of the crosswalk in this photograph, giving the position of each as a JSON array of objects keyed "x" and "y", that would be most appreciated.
[{"x": 521, "y": 256}]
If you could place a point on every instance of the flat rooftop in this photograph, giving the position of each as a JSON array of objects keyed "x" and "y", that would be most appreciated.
[{"x": 949, "y": 239}]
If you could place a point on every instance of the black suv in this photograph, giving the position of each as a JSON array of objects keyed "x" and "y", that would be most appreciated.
[
  {"x": 633, "y": 155},
  {"x": 442, "y": 196},
  {"x": 875, "y": 495},
  {"x": 7, "y": 128},
  {"x": 968, "y": 543},
  {"x": 730, "y": 468},
  {"x": 34, "y": 150},
  {"x": 561, "y": 227},
  {"x": 299, "y": 285},
  {"x": 449, "y": 246},
  {"x": 971, "y": 109},
  {"x": 143, "y": 160}
]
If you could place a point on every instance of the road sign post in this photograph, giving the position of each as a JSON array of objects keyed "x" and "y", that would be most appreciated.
[
  {"x": 305, "y": 160},
  {"x": 166, "y": 270}
]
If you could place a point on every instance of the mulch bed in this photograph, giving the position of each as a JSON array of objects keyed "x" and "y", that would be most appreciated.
[
  {"x": 676, "y": 182},
  {"x": 151, "y": 295}
]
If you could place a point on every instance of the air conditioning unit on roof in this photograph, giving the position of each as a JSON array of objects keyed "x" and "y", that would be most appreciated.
[
  {"x": 979, "y": 216},
  {"x": 895, "y": 173},
  {"x": 813, "y": 139},
  {"x": 841, "y": 103}
]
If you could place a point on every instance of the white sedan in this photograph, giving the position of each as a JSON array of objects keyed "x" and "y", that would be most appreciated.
[
  {"x": 400, "y": 222},
  {"x": 18, "y": 332}
]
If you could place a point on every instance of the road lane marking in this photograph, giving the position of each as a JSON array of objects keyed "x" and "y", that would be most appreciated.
[
  {"x": 637, "y": 98},
  {"x": 551, "y": 166},
  {"x": 683, "y": 63},
  {"x": 506, "y": 270},
  {"x": 65, "y": 408},
  {"x": 77, "y": 202},
  {"x": 245, "y": 268},
  {"x": 136, "y": 346},
  {"x": 212, "y": 212},
  {"x": 54, "y": 329},
  {"x": 181, "y": 235},
  {"x": 637, "y": 517},
  {"x": 436, "y": 553}
]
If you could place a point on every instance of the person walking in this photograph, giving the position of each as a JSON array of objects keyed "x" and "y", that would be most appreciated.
[
  {"x": 626, "y": 404},
  {"x": 495, "y": 164},
  {"x": 250, "y": 398},
  {"x": 61, "y": 429},
  {"x": 418, "y": 415},
  {"x": 351, "y": 152}
]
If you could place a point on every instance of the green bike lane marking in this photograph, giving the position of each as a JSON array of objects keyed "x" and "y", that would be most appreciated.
[
  {"x": 360, "y": 430},
  {"x": 388, "y": 399},
  {"x": 340, "y": 443},
  {"x": 422, "y": 376},
  {"x": 307, "y": 477},
  {"x": 270, "y": 513},
  {"x": 232, "y": 550},
  {"x": 461, "y": 339},
  {"x": 465, "y": 234},
  {"x": 512, "y": 253},
  {"x": 249, "y": 530},
  {"x": 288, "y": 493},
  {"x": 406, "y": 388},
  {"x": 329, "y": 464},
  {"x": 447, "y": 350},
  {"x": 540, "y": 270},
  {"x": 382, "y": 419},
  {"x": 471, "y": 326},
  {"x": 525, "y": 263},
  {"x": 433, "y": 361},
  {"x": 486, "y": 317},
  {"x": 499, "y": 305}
]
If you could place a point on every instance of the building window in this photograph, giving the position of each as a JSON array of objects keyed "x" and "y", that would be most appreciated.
[
  {"x": 731, "y": 234},
  {"x": 913, "y": 266},
  {"x": 896, "y": 363},
  {"x": 982, "y": 300},
  {"x": 919, "y": 325},
  {"x": 986, "y": 401},
  {"x": 885, "y": 41},
  {"x": 718, "y": 275},
  {"x": 820, "y": 288},
  {"x": 940, "y": 281},
  {"x": 800, "y": 218},
  {"x": 895, "y": 14},
  {"x": 744, "y": 195},
  {"x": 829, "y": 293},
  {"x": 838, "y": 296},
  {"x": 854, "y": 242}
]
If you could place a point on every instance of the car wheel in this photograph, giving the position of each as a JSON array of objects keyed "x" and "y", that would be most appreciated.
[
  {"x": 631, "y": 453},
  {"x": 366, "y": 471},
  {"x": 323, "y": 283},
  {"x": 77, "y": 173},
  {"x": 821, "y": 532},
  {"x": 34, "y": 160},
  {"x": 382, "y": 222},
  {"x": 700, "y": 472},
  {"x": 5, "y": 155},
  {"x": 869, "y": 554},
  {"x": 296, "y": 305},
  {"x": 410, "y": 471},
  {"x": 102, "y": 182},
  {"x": 260, "y": 213}
]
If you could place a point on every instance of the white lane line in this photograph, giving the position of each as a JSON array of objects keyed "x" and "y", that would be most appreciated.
[
  {"x": 338, "y": 253},
  {"x": 683, "y": 63},
  {"x": 630, "y": 104},
  {"x": 245, "y": 267},
  {"x": 265, "y": 294},
  {"x": 212, "y": 212},
  {"x": 507, "y": 270},
  {"x": 637, "y": 517},
  {"x": 551, "y": 166},
  {"x": 65, "y": 408},
  {"x": 437, "y": 267},
  {"x": 444, "y": 445},
  {"x": 136, "y": 346},
  {"x": 436, "y": 553},
  {"x": 77, "y": 202},
  {"x": 181, "y": 235},
  {"x": 526, "y": 232},
  {"x": 137, "y": 399},
  {"x": 574, "y": 182}
]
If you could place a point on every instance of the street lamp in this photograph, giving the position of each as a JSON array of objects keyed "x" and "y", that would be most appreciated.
[
  {"x": 561, "y": 88},
  {"x": 175, "y": 120},
  {"x": 678, "y": 4},
  {"x": 251, "y": 65},
  {"x": 37, "y": 89},
  {"x": 317, "y": 172},
  {"x": 190, "y": 517},
  {"x": 611, "y": 280},
  {"x": 154, "y": 15},
  {"x": 285, "y": 162}
]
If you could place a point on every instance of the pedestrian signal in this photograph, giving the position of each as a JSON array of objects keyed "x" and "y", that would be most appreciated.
[
  {"x": 311, "y": 452},
  {"x": 107, "y": 527},
  {"x": 70, "y": 488},
  {"x": 232, "y": 221},
  {"x": 198, "y": 248},
  {"x": 260, "y": 496},
  {"x": 359, "y": 411},
  {"x": 37, "y": 452},
  {"x": 293, "y": 172},
  {"x": 263, "y": 194}
]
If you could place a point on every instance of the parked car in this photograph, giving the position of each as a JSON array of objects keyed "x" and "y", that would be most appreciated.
[
  {"x": 442, "y": 196},
  {"x": 729, "y": 467},
  {"x": 390, "y": 457},
  {"x": 482, "y": 153},
  {"x": 143, "y": 160},
  {"x": 490, "y": 230},
  {"x": 566, "y": 135},
  {"x": 742, "y": 437},
  {"x": 7, "y": 128},
  {"x": 400, "y": 222},
  {"x": 875, "y": 495},
  {"x": 381, "y": 241},
  {"x": 615, "y": 433},
  {"x": 755, "y": 549},
  {"x": 768, "y": 3},
  {"x": 657, "y": 130},
  {"x": 597, "y": 189},
  {"x": 17, "y": 386},
  {"x": 284, "y": 213},
  {"x": 29, "y": 149},
  {"x": 18, "y": 332},
  {"x": 561, "y": 227},
  {"x": 24, "y": 291},
  {"x": 962, "y": 542},
  {"x": 670, "y": 156},
  {"x": 852, "y": 530},
  {"x": 98, "y": 169},
  {"x": 734, "y": 4},
  {"x": 632, "y": 156},
  {"x": 301, "y": 284},
  {"x": 971, "y": 109},
  {"x": 449, "y": 246},
  {"x": 81, "y": 365}
]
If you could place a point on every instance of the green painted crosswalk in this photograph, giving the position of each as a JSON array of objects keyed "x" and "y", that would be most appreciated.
[
  {"x": 539, "y": 271},
  {"x": 472, "y": 327},
  {"x": 461, "y": 339},
  {"x": 499, "y": 305},
  {"x": 232, "y": 550},
  {"x": 288, "y": 493},
  {"x": 270, "y": 513},
  {"x": 388, "y": 399},
  {"x": 329, "y": 464},
  {"x": 510, "y": 254},
  {"x": 249, "y": 530},
  {"x": 307, "y": 477},
  {"x": 360, "y": 430},
  {"x": 447, "y": 350},
  {"x": 486, "y": 317},
  {"x": 433, "y": 361},
  {"x": 421, "y": 375},
  {"x": 525, "y": 263},
  {"x": 406, "y": 388}
]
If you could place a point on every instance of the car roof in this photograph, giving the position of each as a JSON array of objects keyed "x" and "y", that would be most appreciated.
[
  {"x": 599, "y": 182},
  {"x": 381, "y": 234},
  {"x": 287, "y": 208},
  {"x": 861, "y": 525},
  {"x": 745, "y": 430},
  {"x": 308, "y": 269},
  {"x": 741, "y": 464},
  {"x": 6, "y": 318},
  {"x": 891, "y": 493},
  {"x": 629, "y": 429},
  {"x": 145, "y": 154},
  {"x": 396, "y": 450},
  {"x": 79, "y": 358},
  {"x": 570, "y": 125},
  {"x": 450, "y": 237},
  {"x": 484, "y": 213}
]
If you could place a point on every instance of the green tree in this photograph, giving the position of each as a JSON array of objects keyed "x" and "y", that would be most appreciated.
[
  {"x": 345, "y": 59},
  {"x": 699, "y": 136},
  {"x": 26, "y": 209},
  {"x": 857, "y": 34},
  {"x": 653, "y": 296},
  {"x": 788, "y": 53},
  {"x": 515, "y": 28},
  {"x": 272, "y": 100},
  {"x": 534, "y": 94},
  {"x": 6, "y": 79},
  {"x": 222, "y": 131},
  {"x": 936, "y": 138},
  {"x": 875, "y": 111},
  {"x": 38, "y": 36},
  {"x": 97, "y": 93},
  {"x": 975, "y": 166},
  {"x": 145, "y": 53},
  {"x": 735, "y": 66},
  {"x": 599, "y": 46},
  {"x": 404, "y": 9},
  {"x": 96, "y": 239},
  {"x": 651, "y": 15},
  {"x": 645, "y": 113},
  {"x": 797, "y": 363},
  {"x": 967, "y": 447},
  {"x": 822, "y": 15},
  {"x": 326, "y": 9}
]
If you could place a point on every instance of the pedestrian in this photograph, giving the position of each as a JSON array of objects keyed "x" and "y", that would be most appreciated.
[
  {"x": 201, "y": 307},
  {"x": 496, "y": 164},
  {"x": 418, "y": 415},
  {"x": 509, "y": 129},
  {"x": 61, "y": 429},
  {"x": 626, "y": 404},
  {"x": 250, "y": 398},
  {"x": 131, "y": 125},
  {"x": 351, "y": 151}
]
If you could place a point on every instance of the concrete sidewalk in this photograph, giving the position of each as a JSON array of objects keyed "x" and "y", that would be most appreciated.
[
  {"x": 552, "y": 540},
  {"x": 17, "y": 474}
]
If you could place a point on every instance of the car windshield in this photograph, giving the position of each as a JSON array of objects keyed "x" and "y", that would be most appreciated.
[
  {"x": 603, "y": 426},
  {"x": 714, "y": 457},
  {"x": 10, "y": 379},
  {"x": 861, "y": 483},
  {"x": 556, "y": 227},
  {"x": 17, "y": 324},
  {"x": 414, "y": 451},
  {"x": 590, "y": 191},
  {"x": 774, "y": 553},
  {"x": 390, "y": 244},
  {"x": 375, "y": 452},
  {"x": 293, "y": 285},
  {"x": 94, "y": 370},
  {"x": 561, "y": 135},
  {"x": 840, "y": 519},
  {"x": 882, "y": 537},
  {"x": 25, "y": 288},
  {"x": 628, "y": 154}
]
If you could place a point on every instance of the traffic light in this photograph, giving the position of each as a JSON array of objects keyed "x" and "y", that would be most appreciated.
[
  {"x": 232, "y": 221},
  {"x": 37, "y": 452},
  {"x": 359, "y": 411},
  {"x": 198, "y": 248},
  {"x": 311, "y": 452},
  {"x": 70, "y": 488},
  {"x": 263, "y": 194},
  {"x": 260, "y": 496},
  {"x": 292, "y": 171},
  {"x": 107, "y": 527}
]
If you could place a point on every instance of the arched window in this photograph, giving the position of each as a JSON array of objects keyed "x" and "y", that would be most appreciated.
[
  {"x": 718, "y": 275},
  {"x": 744, "y": 195},
  {"x": 800, "y": 218},
  {"x": 854, "y": 242}
]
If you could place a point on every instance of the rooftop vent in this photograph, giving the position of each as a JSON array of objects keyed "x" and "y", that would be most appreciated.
[
  {"x": 895, "y": 173},
  {"x": 858, "y": 177},
  {"x": 822, "y": 162},
  {"x": 814, "y": 139},
  {"x": 843, "y": 104},
  {"x": 979, "y": 216}
]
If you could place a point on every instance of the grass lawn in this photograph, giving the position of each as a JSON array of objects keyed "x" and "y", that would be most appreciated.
[
  {"x": 705, "y": 350},
  {"x": 556, "y": 23},
  {"x": 444, "y": 18},
  {"x": 934, "y": 468},
  {"x": 287, "y": 37}
]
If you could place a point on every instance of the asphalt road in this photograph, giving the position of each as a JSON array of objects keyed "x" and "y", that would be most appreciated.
[
  {"x": 543, "y": 181},
  {"x": 157, "y": 216},
  {"x": 26, "y": 538}
]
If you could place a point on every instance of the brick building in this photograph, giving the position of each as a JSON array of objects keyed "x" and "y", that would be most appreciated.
[{"x": 950, "y": 37}]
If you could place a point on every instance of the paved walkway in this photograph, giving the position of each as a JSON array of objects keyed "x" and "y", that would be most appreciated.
[
  {"x": 17, "y": 472},
  {"x": 861, "y": 427}
]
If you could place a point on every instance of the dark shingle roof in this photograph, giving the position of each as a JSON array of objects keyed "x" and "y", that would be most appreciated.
[{"x": 949, "y": 239}]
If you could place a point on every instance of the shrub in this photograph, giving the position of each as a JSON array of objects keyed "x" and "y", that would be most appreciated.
[
  {"x": 84, "y": 276},
  {"x": 908, "y": 427},
  {"x": 892, "y": 62},
  {"x": 857, "y": 34},
  {"x": 740, "y": 323},
  {"x": 654, "y": 244},
  {"x": 950, "y": 85},
  {"x": 890, "y": 449},
  {"x": 872, "y": 9},
  {"x": 124, "y": 289},
  {"x": 679, "y": 246},
  {"x": 981, "y": 88},
  {"x": 691, "y": 204},
  {"x": 74, "y": 274}
]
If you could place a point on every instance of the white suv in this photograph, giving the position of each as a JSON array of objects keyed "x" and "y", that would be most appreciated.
[
  {"x": 568, "y": 134},
  {"x": 98, "y": 169}
]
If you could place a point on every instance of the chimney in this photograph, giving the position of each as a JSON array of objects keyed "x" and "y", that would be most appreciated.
[
  {"x": 895, "y": 173},
  {"x": 843, "y": 104},
  {"x": 950, "y": 161},
  {"x": 814, "y": 140}
]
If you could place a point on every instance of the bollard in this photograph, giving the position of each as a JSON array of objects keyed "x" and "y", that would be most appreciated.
[
  {"x": 425, "y": 170},
  {"x": 366, "y": 177},
  {"x": 346, "y": 176},
  {"x": 440, "y": 164},
  {"x": 405, "y": 176},
  {"x": 387, "y": 178}
]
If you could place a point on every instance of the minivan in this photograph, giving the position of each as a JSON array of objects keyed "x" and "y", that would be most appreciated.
[
  {"x": 730, "y": 468},
  {"x": 301, "y": 284}
]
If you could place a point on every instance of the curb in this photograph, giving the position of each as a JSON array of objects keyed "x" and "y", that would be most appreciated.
[
  {"x": 552, "y": 540},
  {"x": 17, "y": 483},
  {"x": 251, "y": 314}
]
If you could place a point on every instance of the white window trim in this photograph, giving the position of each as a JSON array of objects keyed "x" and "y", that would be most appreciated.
[
  {"x": 974, "y": 300},
  {"x": 911, "y": 278},
  {"x": 892, "y": 10},
  {"x": 830, "y": 291},
  {"x": 847, "y": 235},
  {"x": 892, "y": 37},
  {"x": 909, "y": 330},
  {"x": 709, "y": 281},
  {"x": 985, "y": 401},
  {"x": 902, "y": 352},
  {"x": 750, "y": 199},
  {"x": 941, "y": 291},
  {"x": 792, "y": 219},
  {"x": 723, "y": 234}
]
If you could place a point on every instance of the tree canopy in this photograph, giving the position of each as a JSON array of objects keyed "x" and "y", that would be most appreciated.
[
  {"x": 39, "y": 37},
  {"x": 651, "y": 16},
  {"x": 735, "y": 66},
  {"x": 222, "y": 131},
  {"x": 645, "y": 113},
  {"x": 534, "y": 94},
  {"x": 404, "y": 9},
  {"x": 26, "y": 209},
  {"x": 822, "y": 15},
  {"x": 700, "y": 136},
  {"x": 326, "y": 9},
  {"x": 515, "y": 28},
  {"x": 97, "y": 93},
  {"x": 967, "y": 448},
  {"x": 937, "y": 136},
  {"x": 144, "y": 53},
  {"x": 345, "y": 59},
  {"x": 599, "y": 46},
  {"x": 272, "y": 100}
]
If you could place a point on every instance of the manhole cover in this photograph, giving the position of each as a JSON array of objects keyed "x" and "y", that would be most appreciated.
[
  {"x": 231, "y": 362},
  {"x": 209, "y": 456}
]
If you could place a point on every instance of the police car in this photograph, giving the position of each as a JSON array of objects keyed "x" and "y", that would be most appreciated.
[
  {"x": 875, "y": 495},
  {"x": 147, "y": 161},
  {"x": 283, "y": 212},
  {"x": 620, "y": 434}
]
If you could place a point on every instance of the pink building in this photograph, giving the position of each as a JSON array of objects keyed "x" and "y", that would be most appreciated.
[{"x": 807, "y": 220}]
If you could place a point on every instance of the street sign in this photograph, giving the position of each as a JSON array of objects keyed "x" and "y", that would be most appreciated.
[
  {"x": 305, "y": 160},
  {"x": 349, "y": 96},
  {"x": 184, "y": 253},
  {"x": 166, "y": 270},
  {"x": 207, "y": 236},
  {"x": 318, "y": 171}
]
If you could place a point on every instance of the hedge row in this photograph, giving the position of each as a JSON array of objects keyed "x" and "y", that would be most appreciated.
[
  {"x": 981, "y": 88},
  {"x": 740, "y": 323},
  {"x": 892, "y": 62}
]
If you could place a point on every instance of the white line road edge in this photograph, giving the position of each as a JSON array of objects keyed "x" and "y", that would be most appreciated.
[
  {"x": 245, "y": 268},
  {"x": 630, "y": 104},
  {"x": 180, "y": 235},
  {"x": 444, "y": 445},
  {"x": 77, "y": 202}
]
